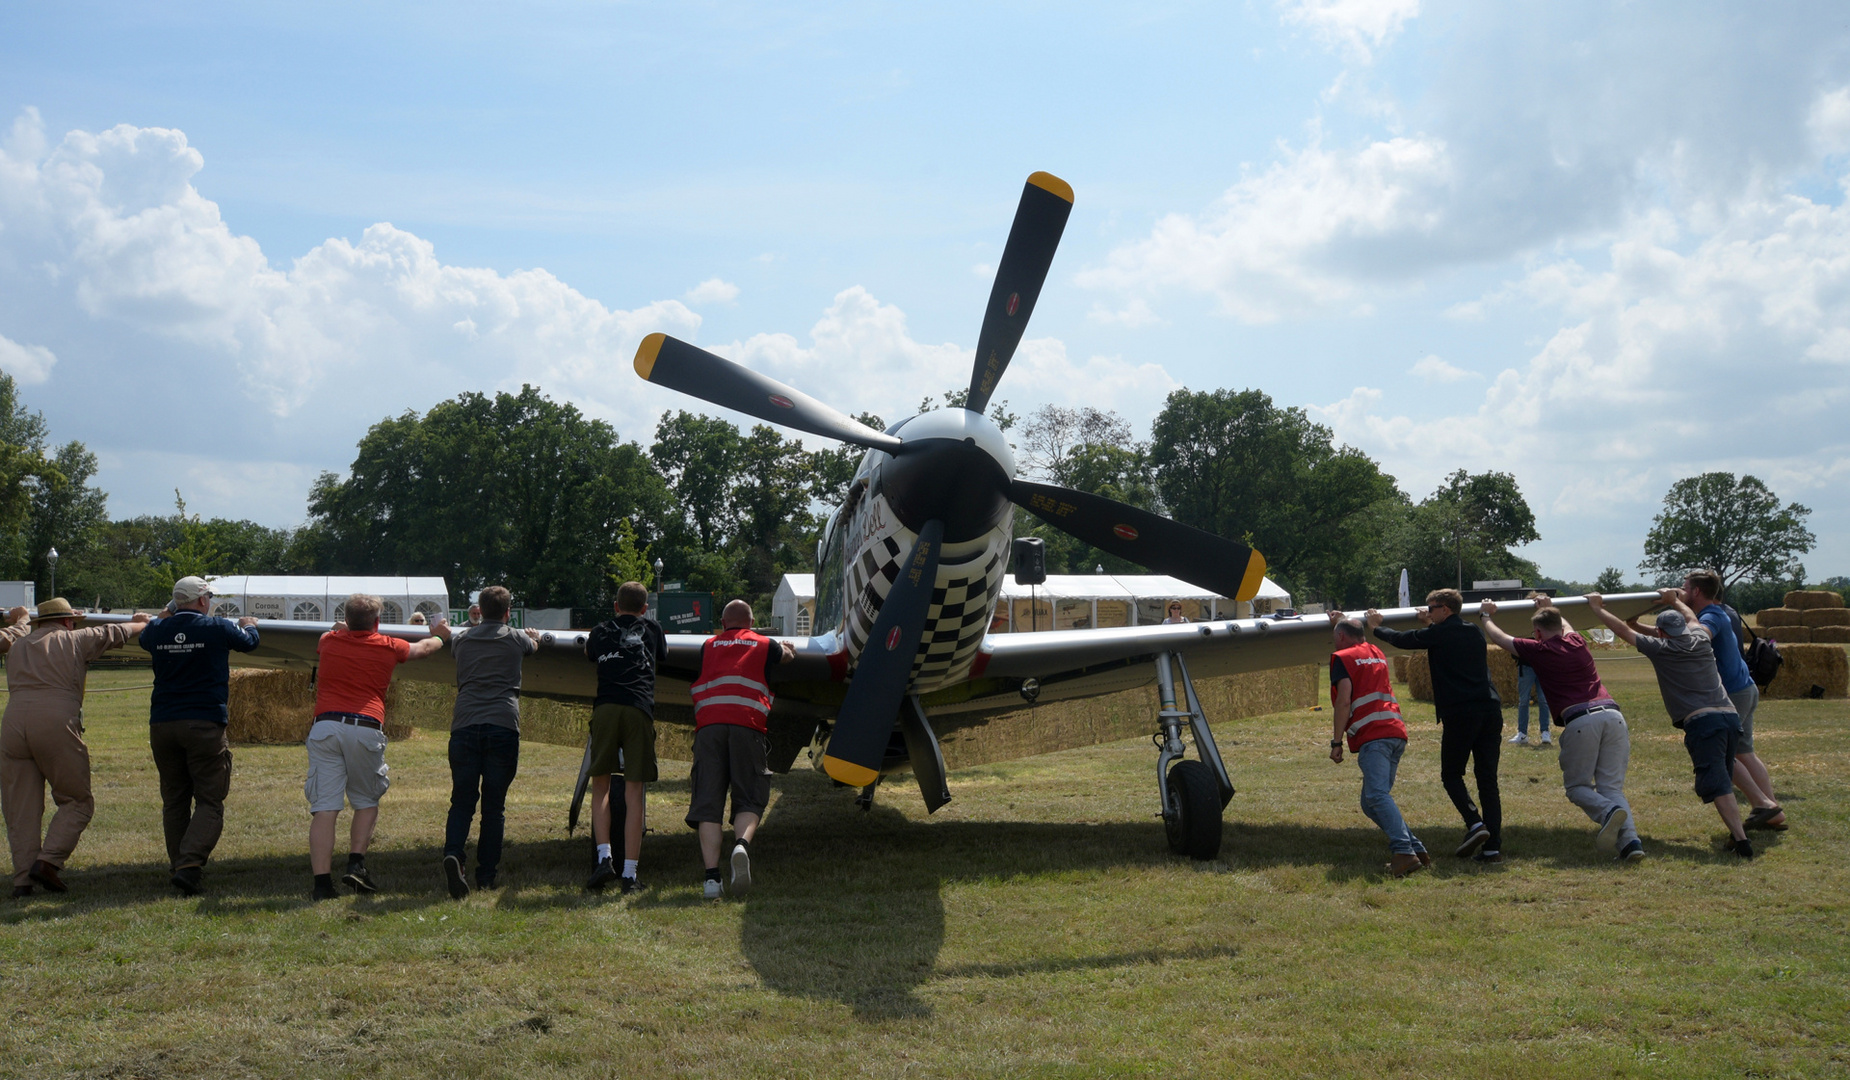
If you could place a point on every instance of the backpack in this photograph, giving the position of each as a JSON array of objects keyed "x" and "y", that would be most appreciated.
[{"x": 1761, "y": 654}]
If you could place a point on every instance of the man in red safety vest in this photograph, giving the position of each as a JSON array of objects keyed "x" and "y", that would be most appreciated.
[
  {"x": 1368, "y": 716},
  {"x": 732, "y": 705}
]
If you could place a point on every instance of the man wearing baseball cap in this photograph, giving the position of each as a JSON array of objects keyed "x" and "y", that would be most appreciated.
[
  {"x": 1693, "y": 695},
  {"x": 187, "y": 717},
  {"x": 41, "y": 736}
]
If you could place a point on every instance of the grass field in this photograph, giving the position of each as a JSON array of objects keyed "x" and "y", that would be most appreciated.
[{"x": 1035, "y": 927}]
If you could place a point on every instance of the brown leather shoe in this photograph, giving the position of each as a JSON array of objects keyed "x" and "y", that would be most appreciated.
[
  {"x": 47, "y": 875},
  {"x": 1425, "y": 859},
  {"x": 1404, "y": 865},
  {"x": 20, "y": 892}
]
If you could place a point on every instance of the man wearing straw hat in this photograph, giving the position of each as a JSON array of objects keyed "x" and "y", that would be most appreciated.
[
  {"x": 41, "y": 736},
  {"x": 187, "y": 720}
]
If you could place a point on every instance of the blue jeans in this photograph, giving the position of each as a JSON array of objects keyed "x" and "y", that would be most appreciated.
[
  {"x": 1379, "y": 761},
  {"x": 484, "y": 758},
  {"x": 1526, "y": 685}
]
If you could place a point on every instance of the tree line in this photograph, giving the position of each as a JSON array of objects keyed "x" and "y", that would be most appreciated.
[{"x": 521, "y": 490}]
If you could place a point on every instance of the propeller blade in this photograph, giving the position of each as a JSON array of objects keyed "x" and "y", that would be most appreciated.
[
  {"x": 1168, "y": 547},
  {"x": 578, "y": 790},
  {"x": 675, "y": 364},
  {"x": 1046, "y": 200},
  {"x": 857, "y": 747}
]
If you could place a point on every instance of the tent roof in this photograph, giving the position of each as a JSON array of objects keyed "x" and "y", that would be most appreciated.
[
  {"x": 319, "y": 585},
  {"x": 1125, "y": 587},
  {"x": 801, "y": 586}
]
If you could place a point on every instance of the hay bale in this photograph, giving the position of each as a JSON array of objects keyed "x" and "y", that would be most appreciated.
[
  {"x": 1779, "y": 616},
  {"x": 1809, "y": 669},
  {"x": 1502, "y": 674},
  {"x": 1399, "y": 663},
  {"x": 1831, "y": 634},
  {"x": 1784, "y": 634},
  {"x": 1808, "y": 599},
  {"x": 278, "y": 706},
  {"x": 1825, "y": 616},
  {"x": 1419, "y": 676}
]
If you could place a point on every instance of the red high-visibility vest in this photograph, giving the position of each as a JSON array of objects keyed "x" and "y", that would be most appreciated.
[
  {"x": 731, "y": 688},
  {"x": 1374, "y": 712}
]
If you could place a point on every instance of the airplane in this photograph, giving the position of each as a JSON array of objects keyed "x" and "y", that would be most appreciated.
[{"x": 909, "y": 570}]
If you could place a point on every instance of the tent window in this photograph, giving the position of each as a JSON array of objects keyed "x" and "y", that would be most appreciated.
[{"x": 306, "y": 611}]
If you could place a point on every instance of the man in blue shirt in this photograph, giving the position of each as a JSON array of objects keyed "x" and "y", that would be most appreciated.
[
  {"x": 1699, "y": 592},
  {"x": 187, "y": 715}
]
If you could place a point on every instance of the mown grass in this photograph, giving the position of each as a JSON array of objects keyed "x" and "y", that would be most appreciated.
[{"x": 1035, "y": 927}]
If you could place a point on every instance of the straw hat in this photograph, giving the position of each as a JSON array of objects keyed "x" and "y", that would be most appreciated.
[{"x": 55, "y": 608}]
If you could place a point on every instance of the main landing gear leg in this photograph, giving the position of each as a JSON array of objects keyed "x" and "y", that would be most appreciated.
[{"x": 1193, "y": 793}]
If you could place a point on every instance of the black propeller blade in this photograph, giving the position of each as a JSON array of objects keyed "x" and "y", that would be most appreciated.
[
  {"x": 1168, "y": 547},
  {"x": 673, "y": 363},
  {"x": 857, "y": 746},
  {"x": 1046, "y": 200}
]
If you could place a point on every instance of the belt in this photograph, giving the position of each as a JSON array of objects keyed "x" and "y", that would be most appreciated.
[
  {"x": 355, "y": 719},
  {"x": 1575, "y": 712}
]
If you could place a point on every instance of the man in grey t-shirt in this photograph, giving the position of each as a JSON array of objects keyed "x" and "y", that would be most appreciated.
[
  {"x": 484, "y": 735},
  {"x": 1693, "y": 695}
]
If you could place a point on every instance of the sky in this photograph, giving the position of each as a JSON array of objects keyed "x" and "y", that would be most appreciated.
[{"x": 1601, "y": 246}]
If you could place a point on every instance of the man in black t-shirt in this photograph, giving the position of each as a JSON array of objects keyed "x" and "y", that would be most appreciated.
[{"x": 627, "y": 651}]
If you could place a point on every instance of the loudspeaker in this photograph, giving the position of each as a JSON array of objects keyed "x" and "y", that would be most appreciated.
[{"x": 1030, "y": 560}]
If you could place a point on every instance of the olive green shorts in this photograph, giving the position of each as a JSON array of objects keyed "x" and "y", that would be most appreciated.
[{"x": 627, "y": 729}]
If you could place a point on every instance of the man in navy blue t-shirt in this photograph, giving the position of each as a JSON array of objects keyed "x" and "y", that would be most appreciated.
[{"x": 187, "y": 715}]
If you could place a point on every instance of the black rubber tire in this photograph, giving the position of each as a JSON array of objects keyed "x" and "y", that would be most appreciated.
[{"x": 1195, "y": 831}]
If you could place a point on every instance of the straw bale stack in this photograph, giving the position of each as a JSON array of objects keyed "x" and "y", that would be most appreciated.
[
  {"x": 269, "y": 706},
  {"x": 1419, "y": 676},
  {"x": 1784, "y": 634},
  {"x": 1825, "y": 616},
  {"x": 1807, "y": 599},
  {"x": 1779, "y": 616},
  {"x": 1502, "y": 674},
  {"x": 1811, "y": 670},
  {"x": 1831, "y": 634},
  {"x": 1399, "y": 663}
]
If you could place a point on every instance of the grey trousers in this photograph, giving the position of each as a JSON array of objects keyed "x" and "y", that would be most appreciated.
[{"x": 1595, "y": 750}]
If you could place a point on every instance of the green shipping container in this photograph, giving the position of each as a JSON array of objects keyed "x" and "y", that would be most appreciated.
[{"x": 683, "y": 612}]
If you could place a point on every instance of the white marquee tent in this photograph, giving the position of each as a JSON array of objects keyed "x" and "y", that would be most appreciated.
[{"x": 324, "y": 599}]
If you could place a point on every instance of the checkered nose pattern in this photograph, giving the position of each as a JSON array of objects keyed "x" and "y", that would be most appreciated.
[{"x": 961, "y": 601}]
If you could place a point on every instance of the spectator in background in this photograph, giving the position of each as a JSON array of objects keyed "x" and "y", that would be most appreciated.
[
  {"x": 346, "y": 745},
  {"x": 627, "y": 649},
  {"x": 41, "y": 735},
  {"x": 1527, "y": 688},
  {"x": 1684, "y": 659},
  {"x": 1469, "y": 709},
  {"x": 1366, "y": 713},
  {"x": 1701, "y": 588},
  {"x": 1596, "y": 746},
  {"x": 484, "y": 736},
  {"x": 475, "y": 614},
  {"x": 1175, "y": 613},
  {"x": 732, "y": 705},
  {"x": 187, "y": 719},
  {"x": 418, "y": 619}
]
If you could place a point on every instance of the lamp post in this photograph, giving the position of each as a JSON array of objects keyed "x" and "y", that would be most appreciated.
[
  {"x": 51, "y": 560},
  {"x": 658, "y": 575}
]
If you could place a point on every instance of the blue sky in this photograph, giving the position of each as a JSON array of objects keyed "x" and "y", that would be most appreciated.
[{"x": 1600, "y": 246}]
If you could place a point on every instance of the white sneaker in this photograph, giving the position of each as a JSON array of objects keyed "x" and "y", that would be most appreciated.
[
  {"x": 1545, "y": 739},
  {"x": 1519, "y": 739},
  {"x": 741, "y": 869},
  {"x": 1608, "y": 838},
  {"x": 710, "y": 890}
]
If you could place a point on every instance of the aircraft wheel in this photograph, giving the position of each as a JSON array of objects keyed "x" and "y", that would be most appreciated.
[{"x": 1196, "y": 827}]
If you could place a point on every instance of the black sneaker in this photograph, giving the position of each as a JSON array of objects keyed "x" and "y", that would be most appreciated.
[
  {"x": 487, "y": 881},
  {"x": 1631, "y": 853},
  {"x": 453, "y": 877},
  {"x": 1476, "y": 837},
  {"x": 325, "y": 892},
  {"x": 1487, "y": 857},
  {"x": 605, "y": 873},
  {"x": 631, "y": 885},
  {"x": 357, "y": 879},
  {"x": 1767, "y": 817},
  {"x": 187, "y": 880},
  {"x": 1744, "y": 848}
]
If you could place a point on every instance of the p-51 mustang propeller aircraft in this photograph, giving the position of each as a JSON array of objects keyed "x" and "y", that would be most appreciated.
[{"x": 909, "y": 569}]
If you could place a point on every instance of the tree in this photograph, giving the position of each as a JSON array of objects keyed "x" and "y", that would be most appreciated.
[
  {"x": 1464, "y": 531},
  {"x": 515, "y": 489},
  {"x": 628, "y": 562},
  {"x": 1734, "y": 527},
  {"x": 1610, "y": 580},
  {"x": 1232, "y": 463}
]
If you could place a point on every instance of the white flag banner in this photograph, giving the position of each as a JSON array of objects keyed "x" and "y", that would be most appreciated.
[{"x": 1406, "y": 598}]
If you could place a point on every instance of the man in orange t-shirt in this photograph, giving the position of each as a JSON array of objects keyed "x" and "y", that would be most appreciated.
[{"x": 346, "y": 745}]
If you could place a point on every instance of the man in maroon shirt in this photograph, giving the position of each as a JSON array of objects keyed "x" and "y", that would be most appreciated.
[{"x": 1595, "y": 744}]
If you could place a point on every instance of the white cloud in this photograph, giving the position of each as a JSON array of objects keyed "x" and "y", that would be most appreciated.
[
  {"x": 29, "y": 364},
  {"x": 983, "y": 270},
  {"x": 1359, "y": 25},
  {"x": 1133, "y": 314},
  {"x": 1829, "y": 121},
  {"x": 713, "y": 291},
  {"x": 1433, "y": 369}
]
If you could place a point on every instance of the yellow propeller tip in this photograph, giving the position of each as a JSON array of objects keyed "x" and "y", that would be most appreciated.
[
  {"x": 646, "y": 352},
  {"x": 1255, "y": 576},
  {"x": 848, "y": 772},
  {"x": 1049, "y": 182}
]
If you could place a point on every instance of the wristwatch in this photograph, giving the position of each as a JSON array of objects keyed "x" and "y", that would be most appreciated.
[{"x": 1336, "y": 744}]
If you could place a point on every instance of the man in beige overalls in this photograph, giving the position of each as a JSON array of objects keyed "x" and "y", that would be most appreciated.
[{"x": 41, "y": 735}]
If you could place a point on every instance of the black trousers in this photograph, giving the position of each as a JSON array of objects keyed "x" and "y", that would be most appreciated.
[{"x": 1477, "y": 736}]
